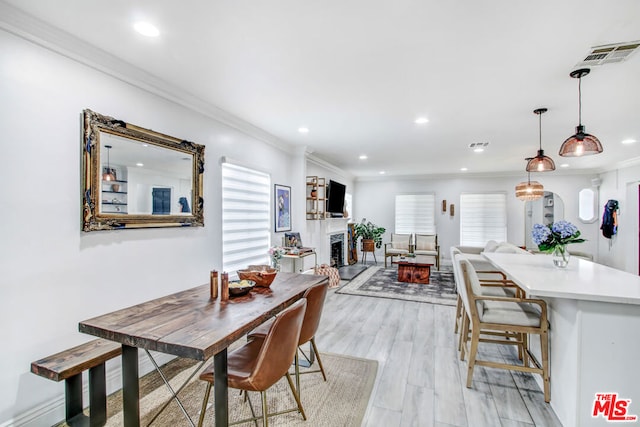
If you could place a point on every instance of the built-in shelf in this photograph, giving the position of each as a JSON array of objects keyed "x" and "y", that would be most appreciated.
[
  {"x": 113, "y": 193},
  {"x": 316, "y": 191}
]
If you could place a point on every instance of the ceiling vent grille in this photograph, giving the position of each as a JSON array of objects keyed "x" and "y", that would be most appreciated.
[
  {"x": 608, "y": 54},
  {"x": 478, "y": 144}
]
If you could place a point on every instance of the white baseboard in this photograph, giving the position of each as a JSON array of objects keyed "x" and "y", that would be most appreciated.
[{"x": 52, "y": 411}]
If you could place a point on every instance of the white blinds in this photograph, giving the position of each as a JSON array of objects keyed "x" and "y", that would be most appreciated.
[
  {"x": 483, "y": 217},
  {"x": 245, "y": 217},
  {"x": 415, "y": 213}
]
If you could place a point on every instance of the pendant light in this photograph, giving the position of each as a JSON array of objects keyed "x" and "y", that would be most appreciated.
[
  {"x": 530, "y": 190},
  {"x": 580, "y": 144},
  {"x": 108, "y": 175},
  {"x": 540, "y": 163}
]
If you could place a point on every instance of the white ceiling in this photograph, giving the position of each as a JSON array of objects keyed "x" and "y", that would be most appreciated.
[{"x": 357, "y": 73}]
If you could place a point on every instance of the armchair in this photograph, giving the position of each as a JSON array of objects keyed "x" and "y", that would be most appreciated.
[
  {"x": 427, "y": 244},
  {"x": 400, "y": 245}
]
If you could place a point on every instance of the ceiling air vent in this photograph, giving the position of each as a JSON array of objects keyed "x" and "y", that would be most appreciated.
[
  {"x": 608, "y": 54},
  {"x": 478, "y": 144}
]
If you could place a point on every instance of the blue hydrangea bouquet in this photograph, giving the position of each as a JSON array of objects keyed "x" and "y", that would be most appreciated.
[
  {"x": 555, "y": 237},
  {"x": 547, "y": 237}
]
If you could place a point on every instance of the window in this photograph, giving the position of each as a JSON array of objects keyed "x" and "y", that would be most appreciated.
[
  {"x": 348, "y": 204},
  {"x": 246, "y": 217},
  {"x": 415, "y": 213},
  {"x": 483, "y": 217}
]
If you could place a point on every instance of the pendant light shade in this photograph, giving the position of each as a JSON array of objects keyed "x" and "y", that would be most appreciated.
[
  {"x": 580, "y": 144},
  {"x": 530, "y": 190},
  {"x": 540, "y": 163},
  {"x": 108, "y": 174}
]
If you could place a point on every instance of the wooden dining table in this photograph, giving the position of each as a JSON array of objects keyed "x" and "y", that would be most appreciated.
[{"x": 189, "y": 324}]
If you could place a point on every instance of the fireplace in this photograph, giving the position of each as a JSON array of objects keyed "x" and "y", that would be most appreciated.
[{"x": 336, "y": 245}]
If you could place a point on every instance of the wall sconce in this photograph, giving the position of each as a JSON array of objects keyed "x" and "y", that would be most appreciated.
[
  {"x": 444, "y": 206},
  {"x": 451, "y": 210}
]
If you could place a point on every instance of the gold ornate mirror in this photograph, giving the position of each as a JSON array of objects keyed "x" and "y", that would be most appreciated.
[{"x": 134, "y": 177}]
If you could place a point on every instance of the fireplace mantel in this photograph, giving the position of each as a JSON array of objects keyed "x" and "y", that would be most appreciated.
[{"x": 320, "y": 232}]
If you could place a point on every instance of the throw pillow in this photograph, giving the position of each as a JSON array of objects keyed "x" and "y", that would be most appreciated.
[{"x": 490, "y": 246}]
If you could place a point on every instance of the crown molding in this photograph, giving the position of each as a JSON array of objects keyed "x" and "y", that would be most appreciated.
[
  {"x": 477, "y": 175},
  {"x": 323, "y": 163},
  {"x": 624, "y": 164},
  {"x": 56, "y": 40}
]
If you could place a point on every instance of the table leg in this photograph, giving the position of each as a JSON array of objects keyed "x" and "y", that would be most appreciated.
[
  {"x": 130, "y": 386},
  {"x": 220, "y": 393}
]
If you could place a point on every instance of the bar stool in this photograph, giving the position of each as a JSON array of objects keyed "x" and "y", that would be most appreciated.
[{"x": 508, "y": 316}]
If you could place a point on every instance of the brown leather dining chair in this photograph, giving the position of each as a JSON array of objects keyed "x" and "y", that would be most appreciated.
[
  {"x": 262, "y": 361},
  {"x": 315, "y": 302}
]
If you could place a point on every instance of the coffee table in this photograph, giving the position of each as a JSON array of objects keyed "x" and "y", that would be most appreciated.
[{"x": 411, "y": 271}]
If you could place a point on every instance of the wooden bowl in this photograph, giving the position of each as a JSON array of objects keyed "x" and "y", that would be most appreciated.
[
  {"x": 263, "y": 275},
  {"x": 237, "y": 288}
]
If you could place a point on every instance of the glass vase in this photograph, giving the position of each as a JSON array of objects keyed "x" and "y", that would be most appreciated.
[{"x": 560, "y": 256}]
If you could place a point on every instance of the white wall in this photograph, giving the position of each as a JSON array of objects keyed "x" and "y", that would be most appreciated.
[
  {"x": 622, "y": 250},
  {"x": 54, "y": 275},
  {"x": 375, "y": 200}
]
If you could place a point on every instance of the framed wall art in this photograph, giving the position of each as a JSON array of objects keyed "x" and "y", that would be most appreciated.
[{"x": 282, "y": 207}]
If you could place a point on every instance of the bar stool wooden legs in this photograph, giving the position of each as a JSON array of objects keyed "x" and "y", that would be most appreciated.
[{"x": 509, "y": 317}]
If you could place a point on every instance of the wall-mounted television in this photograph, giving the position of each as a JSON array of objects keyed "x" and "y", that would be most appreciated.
[{"x": 335, "y": 197}]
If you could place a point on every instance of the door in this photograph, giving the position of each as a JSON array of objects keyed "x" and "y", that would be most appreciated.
[{"x": 161, "y": 201}]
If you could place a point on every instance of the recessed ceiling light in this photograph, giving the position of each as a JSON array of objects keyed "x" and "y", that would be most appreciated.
[
  {"x": 564, "y": 165},
  {"x": 421, "y": 120},
  {"x": 140, "y": 164},
  {"x": 463, "y": 169},
  {"x": 363, "y": 157},
  {"x": 478, "y": 150},
  {"x": 303, "y": 130},
  {"x": 146, "y": 29},
  {"x": 628, "y": 141},
  {"x": 382, "y": 172}
]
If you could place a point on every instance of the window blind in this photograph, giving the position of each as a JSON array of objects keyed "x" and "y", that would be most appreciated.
[
  {"x": 246, "y": 203},
  {"x": 415, "y": 213},
  {"x": 483, "y": 217}
]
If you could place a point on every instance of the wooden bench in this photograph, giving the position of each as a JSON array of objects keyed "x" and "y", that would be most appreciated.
[{"x": 68, "y": 365}]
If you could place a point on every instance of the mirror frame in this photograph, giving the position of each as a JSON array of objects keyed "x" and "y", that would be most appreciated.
[{"x": 94, "y": 220}]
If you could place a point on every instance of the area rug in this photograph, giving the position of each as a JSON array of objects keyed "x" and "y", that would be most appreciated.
[
  {"x": 340, "y": 401},
  {"x": 383, "y": 283}
]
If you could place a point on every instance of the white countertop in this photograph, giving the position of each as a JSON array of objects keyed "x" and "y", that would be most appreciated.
[{"x": 580, "y": 280}]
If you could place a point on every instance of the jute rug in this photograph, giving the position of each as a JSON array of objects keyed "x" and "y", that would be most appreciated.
[
  {"x": 383, "y": 283},
  {"x": 341, "y": 401}
]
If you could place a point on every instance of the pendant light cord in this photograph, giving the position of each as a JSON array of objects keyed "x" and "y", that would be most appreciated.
[
  {"x": 540, "y": 129},
  {"x": 580, "y": 101}
]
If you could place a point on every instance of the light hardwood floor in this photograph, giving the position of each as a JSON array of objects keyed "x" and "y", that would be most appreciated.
[{"x": 421, "y": 381}]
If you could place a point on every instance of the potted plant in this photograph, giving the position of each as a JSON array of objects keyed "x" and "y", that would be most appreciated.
[{"x": 371, "y": 235}]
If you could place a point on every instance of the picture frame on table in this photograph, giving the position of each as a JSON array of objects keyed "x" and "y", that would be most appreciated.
[{"x": 282, "y": 207}]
